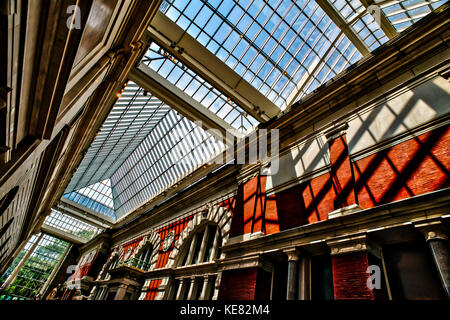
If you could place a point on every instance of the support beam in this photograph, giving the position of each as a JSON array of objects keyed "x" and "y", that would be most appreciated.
[
  {"x": 384, "y": 23},
  {"x": 185, "y": 48},
  {"x": 342, "y": 24},
  {"x": 72, "y": 209},
  {"x": 154, "y": 83},
  {"x": 58, "y": 233}
]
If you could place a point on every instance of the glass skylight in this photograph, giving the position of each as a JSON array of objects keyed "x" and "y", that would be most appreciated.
[
  {"x": 361, "y": 22},
  {"x": 71, "y": 225},
  {"x": 272, "y": 45},
  {"x": 403, "y": 14},
  {"x": 197, "y": 88},
  {"x": 176, "y": 147},
  {"x": 133, "y": 116},
  {"x": 98, "y": 197}
]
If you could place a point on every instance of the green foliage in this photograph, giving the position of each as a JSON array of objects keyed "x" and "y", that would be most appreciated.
[
  {"x": 35, "y": 272},
  {"x": 86, "y": 234}
]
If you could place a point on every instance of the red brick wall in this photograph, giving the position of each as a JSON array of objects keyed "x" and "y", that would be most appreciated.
[
  {"x": 128, "y": 248},
  {"x": 245, "y": 284},
  {"x": 350, "y": 277},
  {"x": 411, "y": 168},
  {"x": 302, "y": 204},
  {"x": 341, "y": 173},
  {"x": 238, "y": 284}
]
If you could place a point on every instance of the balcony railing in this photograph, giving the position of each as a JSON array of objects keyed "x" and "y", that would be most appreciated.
[{"x": 137, "y": 263}]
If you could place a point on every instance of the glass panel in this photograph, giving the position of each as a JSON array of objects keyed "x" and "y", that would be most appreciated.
[
  {"x": 98, "y": 197},
  {"x": 187, "y": 80},
  {"x": 36, "y": 270},
  {"x": 403, "y": 14},
  {"x": 271, "y": 45},
  {"x": 133, "y": 116},
  {"x": 71, "y": 225},
  {"x": 175, "y": 148}
]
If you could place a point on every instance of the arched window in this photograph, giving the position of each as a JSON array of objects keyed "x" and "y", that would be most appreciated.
[
  {"x": 202, "y": 247},
  {"x": 143, "y": 259}
]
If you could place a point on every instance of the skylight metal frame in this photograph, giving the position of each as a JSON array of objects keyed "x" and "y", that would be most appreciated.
[
  {"x": 402, "y": 14},
  {"x": 162, "y": 160},
  {"x": 180, "y": 101},
  {"x": 312, "y": 15},
  {"x": 191, "y": 84},
  {"x": 71, "y": 225},
  {"x": 181, "y": 45},
  {"x": 125, "y": 127}
]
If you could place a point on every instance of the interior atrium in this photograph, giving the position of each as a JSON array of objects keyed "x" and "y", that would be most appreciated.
[{"x": 224, "y": 150}]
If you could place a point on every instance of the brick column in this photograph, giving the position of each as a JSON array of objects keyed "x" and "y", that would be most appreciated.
[
  {"x": 341, "y": 172},
  {"x": 351, "y": 258},
  {"x": 437, "y": 239}
]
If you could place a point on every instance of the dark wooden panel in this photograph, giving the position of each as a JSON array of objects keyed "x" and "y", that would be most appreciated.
[
  {"x": 411, "y": 273},
  {"x": 97, "y": 24}
]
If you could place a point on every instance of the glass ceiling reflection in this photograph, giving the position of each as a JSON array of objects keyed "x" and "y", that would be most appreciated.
[
  {"x": 283, "y": 48},
  {"x": 276, "y": 45}
]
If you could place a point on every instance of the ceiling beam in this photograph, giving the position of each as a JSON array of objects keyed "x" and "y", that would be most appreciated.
[
  {"x": 384, "y": 23},
  {"x": 60, "y": 234},
  {"x": 151, "y": 81},
  {"x": 343, "y": 25},
  {"x": 73, "y": 209},
  {"x": 185, "y": 48}
]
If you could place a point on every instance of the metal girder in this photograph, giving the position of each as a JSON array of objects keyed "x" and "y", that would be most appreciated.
[
  {"x": 185, "y": 48},
  {"x": 60, "y": 234},
  {"x": 384, "y": 23},
  {"x": 342, "y": 24},
  {"x": 151, "y": 81},
  {"x": 73, "y": 209}
]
